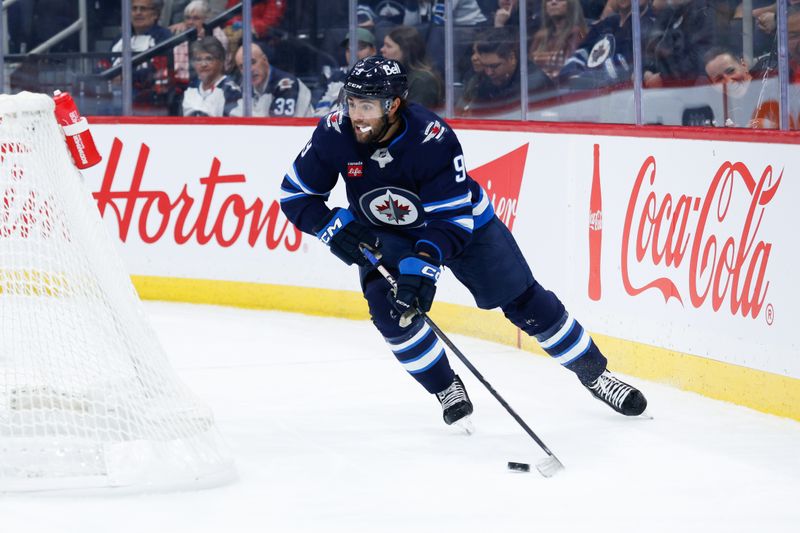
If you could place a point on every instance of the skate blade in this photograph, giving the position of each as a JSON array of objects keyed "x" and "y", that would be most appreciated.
[
  {"x": 550, "y": 466},
  {"x": 645, "y": 415},
  {"x": 466, "y": 425}
]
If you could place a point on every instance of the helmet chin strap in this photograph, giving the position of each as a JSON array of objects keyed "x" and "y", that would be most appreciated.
[
  {"x": 384, "y": 128},
  {"x": 385, "y": 120}
]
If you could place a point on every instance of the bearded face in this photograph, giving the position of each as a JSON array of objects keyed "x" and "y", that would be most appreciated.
[{"x": 368, "y": 118}]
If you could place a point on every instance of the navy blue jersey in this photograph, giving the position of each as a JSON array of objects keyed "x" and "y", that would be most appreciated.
[
  {"x": 416, "y": 185},
  {"x": 281, "y": 95}
]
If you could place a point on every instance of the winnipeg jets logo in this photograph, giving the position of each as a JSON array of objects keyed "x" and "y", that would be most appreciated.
[
  {"x": 392, "y": 209},
  {"x": 602, "y": 50},
  {"x": 382, "y": 157},
  {"x": 334, "y": 120},
  {"x": 434, "y": 131},
  {"x": 392, "y": 206},
  {"x": 285, "y": 84}
]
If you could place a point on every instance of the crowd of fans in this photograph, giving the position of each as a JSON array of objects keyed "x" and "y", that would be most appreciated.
[{"x": 573, "y": 45}]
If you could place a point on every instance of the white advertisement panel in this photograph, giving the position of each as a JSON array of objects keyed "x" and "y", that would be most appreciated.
[
  {"x": 201, "y": 201},
  {"x": 683, "y": 244},
  {"x": 689, "y": 244}
]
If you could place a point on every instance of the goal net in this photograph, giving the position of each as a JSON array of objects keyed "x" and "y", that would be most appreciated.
[{"x": 87, "y": 395}]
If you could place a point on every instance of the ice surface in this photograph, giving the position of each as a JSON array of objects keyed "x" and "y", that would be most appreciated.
[{"x": 331, "y": 435}]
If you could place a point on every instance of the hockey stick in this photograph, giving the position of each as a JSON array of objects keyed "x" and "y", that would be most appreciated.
[{"x": 547, "y": 467}]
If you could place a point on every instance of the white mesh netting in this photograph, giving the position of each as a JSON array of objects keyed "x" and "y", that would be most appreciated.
[{"x": 87, "y": 395}]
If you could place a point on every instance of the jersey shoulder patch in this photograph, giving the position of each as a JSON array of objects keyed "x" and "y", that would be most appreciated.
[
  {"x": 333, "y": 121},
  {"x": 427, "y": 127},
  {"x": 284, "y": 84},
  {"x": 434, "y": 131}
]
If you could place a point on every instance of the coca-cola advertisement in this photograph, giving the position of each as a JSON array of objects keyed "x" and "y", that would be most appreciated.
[{"x": 696, "y": 252}]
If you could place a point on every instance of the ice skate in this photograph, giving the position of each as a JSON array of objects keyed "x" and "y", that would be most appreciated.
[
  {"x": 455, "y": 404},
  {"x": 617, "y": 394}
]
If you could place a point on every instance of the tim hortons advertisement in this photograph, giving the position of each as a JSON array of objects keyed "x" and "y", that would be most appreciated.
[
  {"x": 683, "y": 244},
  {"x": 202, "y": 201}
]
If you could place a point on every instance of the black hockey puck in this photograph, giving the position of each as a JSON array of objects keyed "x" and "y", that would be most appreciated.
[{"x": 519, "y": 467}]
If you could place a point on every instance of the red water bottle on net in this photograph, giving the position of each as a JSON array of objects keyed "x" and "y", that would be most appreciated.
[
  {"x": 595, "y": 229},
  {"x": 76, "y": 130}
]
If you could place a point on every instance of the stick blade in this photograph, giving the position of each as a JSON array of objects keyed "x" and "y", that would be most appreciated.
[{"x": 550, "y": 466}]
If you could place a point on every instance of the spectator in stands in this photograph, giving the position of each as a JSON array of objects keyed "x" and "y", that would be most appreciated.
[
  {"x": 152, "y": 83},
  {"x": 275, "y": 93},
  {"x": 563, "y": 28},
  {"x": 174, "y": 10},
  {"x": 727, "y": 72},
  {"x": 465, "y": 12},
  {"x": 146, "y": 33},
  {"x": 767, "y": 23},
  {"x": 605, "y": 56},
  {"x": 475, "y": 63},
  {"x": 332, "y": 80},
  {"x": 265, "y": 15},
  {"x": 405, "y": 45},
  {"x": 498, "y": 84},
  {"x": 759, "y": 35},
  {"x": 682, "y": 32},
  {"x": 507, "y": 15},
  {"x": 746, "y": 104},
  {"x": 195, "y": 15},
  {"x": 212, "y": 93}
]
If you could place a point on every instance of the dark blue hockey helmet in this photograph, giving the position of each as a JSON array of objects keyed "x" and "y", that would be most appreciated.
[{"x": 377, "y": 77}]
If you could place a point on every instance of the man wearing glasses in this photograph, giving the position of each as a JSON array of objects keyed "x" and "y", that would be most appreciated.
[
  {"x": 497, "y": 86},
  {"x": 151, "y": 84},
  {"x": 146, "y": 33},
  {"x": 212, "y": 93}
]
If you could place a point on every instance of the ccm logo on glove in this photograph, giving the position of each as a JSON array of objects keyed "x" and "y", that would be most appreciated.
[
  {"x": 416, "y": 284},
  {"x": 431, "y": 272},
  {"x": 336, "y": 223},
  {"x": 344, "y": 234}
]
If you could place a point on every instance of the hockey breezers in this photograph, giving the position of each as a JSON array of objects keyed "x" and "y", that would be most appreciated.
[{"x": 547, "y": 467}]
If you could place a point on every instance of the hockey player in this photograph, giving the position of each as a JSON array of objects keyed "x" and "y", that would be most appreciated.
[{"x": 410, "y": 197}]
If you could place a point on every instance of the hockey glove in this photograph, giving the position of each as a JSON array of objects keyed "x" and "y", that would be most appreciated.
[
  {"x": 342, "y": 233},
  {"x": 416, "y": 285}
]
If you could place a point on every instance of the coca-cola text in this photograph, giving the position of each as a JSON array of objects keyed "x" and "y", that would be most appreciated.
[{"x": 726, "y": 259}]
